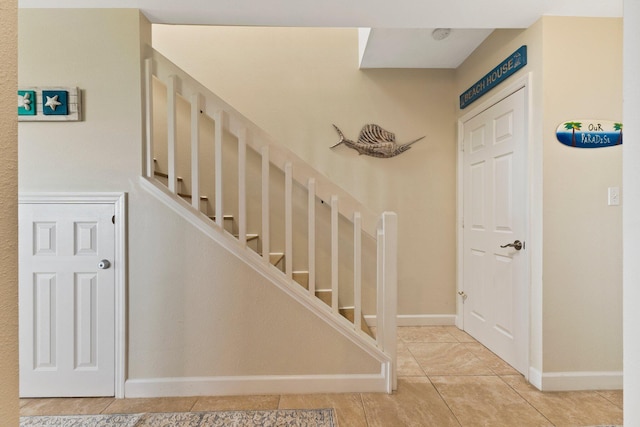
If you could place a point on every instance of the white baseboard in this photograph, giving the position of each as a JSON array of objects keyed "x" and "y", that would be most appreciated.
[
  {"x": 567, "y": 381},
  {"x": 259, "y": 384},
  {"x": 418, "y": 320},
  {"x": 535, "y": 378},
  {"x": 571, "y": 381}
]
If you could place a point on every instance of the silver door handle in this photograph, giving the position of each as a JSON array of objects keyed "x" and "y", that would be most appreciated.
[
  {"x": 517, "y": 245},
  {"x": 104, "y": 264}
]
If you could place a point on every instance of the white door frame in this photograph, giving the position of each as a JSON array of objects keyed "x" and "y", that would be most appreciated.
[
  {"x": 118, "y": 200},
  {"x": 533, "y": 233}
]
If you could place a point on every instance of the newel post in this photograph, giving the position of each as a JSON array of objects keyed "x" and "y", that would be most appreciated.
[{"x": 389, "y": 295}]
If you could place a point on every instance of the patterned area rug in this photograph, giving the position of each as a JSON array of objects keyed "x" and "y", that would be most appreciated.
[{"x": 278, "y": 418}]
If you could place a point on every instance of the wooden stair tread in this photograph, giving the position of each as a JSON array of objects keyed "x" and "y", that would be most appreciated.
[
  {"x": 324, "y": 295},
  {"x": 349, "y": 314},
  {"x": 250, "y": 236},
  {"x": 276, "y": 257},
  {"x": 164, "y": 175},
  {"x": 301, "y": 278},
  {"x": 189, "y": 196},
  {"x": 224, "y": 217}
]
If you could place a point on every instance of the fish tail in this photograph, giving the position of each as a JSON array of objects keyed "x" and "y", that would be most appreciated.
[{"x": 342, "y": 138}]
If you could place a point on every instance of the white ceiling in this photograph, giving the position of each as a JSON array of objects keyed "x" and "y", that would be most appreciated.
[
  {"x": 416, "y": 48},
  {"x": 401, "y": 29}
]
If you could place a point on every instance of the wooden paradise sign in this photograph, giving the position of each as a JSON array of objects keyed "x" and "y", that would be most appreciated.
[{"x": 590, "y": 133}]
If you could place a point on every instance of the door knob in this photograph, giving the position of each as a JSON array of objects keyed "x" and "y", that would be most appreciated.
[
  {"x": 104, "y": 264},
  {"x": 517, "y": 245}
]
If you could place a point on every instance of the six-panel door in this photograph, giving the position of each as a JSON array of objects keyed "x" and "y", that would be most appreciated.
[
  {"x": 494, "y": 282},
  {"x": 66, "y": 300}
]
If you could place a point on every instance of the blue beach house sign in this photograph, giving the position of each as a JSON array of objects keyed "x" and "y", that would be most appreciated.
[{"x": 493, "y": 78}]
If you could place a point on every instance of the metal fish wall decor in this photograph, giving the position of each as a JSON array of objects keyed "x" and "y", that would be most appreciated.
[{"x": 375, "y": 141}]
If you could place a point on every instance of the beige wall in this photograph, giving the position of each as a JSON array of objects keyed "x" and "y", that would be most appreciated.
[
  {"x": 577, "y": 308},
  {"x": 193, "y": 308},
  {"x": 295, "y": 83},
  {"x": 96, "y": 51},
  {"x": 582, "y": 235},
  {"x": 9, "y": 215}
]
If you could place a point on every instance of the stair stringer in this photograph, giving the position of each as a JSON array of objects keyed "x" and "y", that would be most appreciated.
[{"x": 381, "y": 382}]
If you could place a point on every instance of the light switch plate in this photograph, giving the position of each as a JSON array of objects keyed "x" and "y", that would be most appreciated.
[{"x": 614, "y": 196}]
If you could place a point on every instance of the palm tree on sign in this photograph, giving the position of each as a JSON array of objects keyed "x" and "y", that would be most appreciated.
[
  {"x": 618, "y": 127},
  {"x": 573, "y": 126}
]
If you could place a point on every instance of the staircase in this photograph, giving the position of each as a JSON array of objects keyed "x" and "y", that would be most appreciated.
[{"x": 202, "y": 158}]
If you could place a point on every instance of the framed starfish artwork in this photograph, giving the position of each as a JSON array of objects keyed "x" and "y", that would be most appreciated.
[
  {"x": 49, "y": 104},
  {"x": 55, "y": 102},
  {"x": 26, "y": 103}
]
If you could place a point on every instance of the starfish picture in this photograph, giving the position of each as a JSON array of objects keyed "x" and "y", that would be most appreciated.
[
  {"x": 24, "y": 101},
  {"x": 52, "y": 102}
]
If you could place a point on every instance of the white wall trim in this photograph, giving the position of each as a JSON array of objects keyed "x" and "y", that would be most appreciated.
[
  {"x": 571, "y": 381},
  {"x": 256, "y": 385},
  {"x": 567, "y": 381},
  {"x": 417, "y": 320},
  {"x": 535, "y": 378},
  {"x": 119, "y": 201}
]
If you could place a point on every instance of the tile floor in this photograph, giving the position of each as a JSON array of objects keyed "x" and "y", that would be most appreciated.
[{"x": 445, "y": 378}]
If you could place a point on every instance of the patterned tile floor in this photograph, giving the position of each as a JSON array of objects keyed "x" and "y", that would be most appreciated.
[{"x": 445, "y": 378}]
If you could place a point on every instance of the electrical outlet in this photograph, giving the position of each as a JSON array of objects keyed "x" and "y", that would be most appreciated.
[{"x": 614, "y": 196}]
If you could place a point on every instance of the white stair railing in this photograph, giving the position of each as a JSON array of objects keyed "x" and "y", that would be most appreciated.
[{"x": 296, "y": 172}]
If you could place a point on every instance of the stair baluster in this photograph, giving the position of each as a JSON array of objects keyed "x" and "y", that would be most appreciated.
[
  {"x": 172, "y": 133},
  {"x": 242, "y": 186},
  {"x": 219, "y": 120},
  {"x": 148, "y": 85},
  {"x": 357, "y": 270},
  {"x": 334, "y": 254},
  {"x": 266, "y": 217},
  {"x": 288, "y": 220},
  {"x": 196, "y": 107},
  {"x": 312, "y": 235}
]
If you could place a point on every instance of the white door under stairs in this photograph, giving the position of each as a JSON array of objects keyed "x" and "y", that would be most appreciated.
[{"x": 67, "y": 300}]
